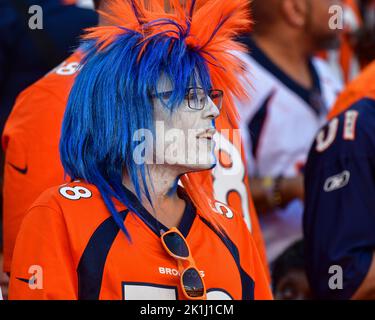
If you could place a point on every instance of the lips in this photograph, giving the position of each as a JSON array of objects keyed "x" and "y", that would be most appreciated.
[{"x": 207, "y": 134}]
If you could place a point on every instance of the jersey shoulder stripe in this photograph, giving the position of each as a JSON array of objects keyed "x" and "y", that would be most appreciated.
[{"x": 362, "y": 87}]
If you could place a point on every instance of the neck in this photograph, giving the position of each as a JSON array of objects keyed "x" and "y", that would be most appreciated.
[
  {"x": 166, "y": 206},
  {"x": 290, "y": 52}
]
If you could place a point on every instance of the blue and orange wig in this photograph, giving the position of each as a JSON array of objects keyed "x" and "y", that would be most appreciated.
[{"x": 124, "y": 59}]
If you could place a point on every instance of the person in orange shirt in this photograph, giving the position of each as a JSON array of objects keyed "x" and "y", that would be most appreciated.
[
  {"x": 30, "y": 141},
  {"x": 140, "y": 115}
]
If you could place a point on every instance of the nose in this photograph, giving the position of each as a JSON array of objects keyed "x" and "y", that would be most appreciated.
[{"x": 211, "y": 111}]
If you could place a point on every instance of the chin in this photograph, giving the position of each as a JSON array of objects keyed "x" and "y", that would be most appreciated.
[
  {"x": 205, "y": 167},
  {"x": 210, "y": 164}
]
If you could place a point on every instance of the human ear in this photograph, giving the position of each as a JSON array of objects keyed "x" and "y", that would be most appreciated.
[{"x": 295, "y": 12}]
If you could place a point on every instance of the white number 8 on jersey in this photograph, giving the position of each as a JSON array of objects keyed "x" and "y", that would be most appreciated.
[{"x": 75, "y": 193}]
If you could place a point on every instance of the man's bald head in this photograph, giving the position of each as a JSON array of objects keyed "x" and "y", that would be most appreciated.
[
  {"x": 267, "y": 14},
  {"x": 308, "y": 19}
]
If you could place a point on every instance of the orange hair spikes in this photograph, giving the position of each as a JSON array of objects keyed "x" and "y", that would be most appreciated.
[{"x": 207, "y": 26}]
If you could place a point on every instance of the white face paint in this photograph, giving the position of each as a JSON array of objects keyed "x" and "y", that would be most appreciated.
[{"x": 184, "y": 137}]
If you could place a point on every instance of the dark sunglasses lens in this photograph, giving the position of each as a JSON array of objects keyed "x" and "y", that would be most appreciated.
[
  {"x": 193, "y": 283},
  {"x": 176, "y": 244}
]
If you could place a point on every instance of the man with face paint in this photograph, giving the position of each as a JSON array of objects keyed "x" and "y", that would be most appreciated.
[
  {"x": 291, "y": 93},
  {"x": 123, "y": 229},
  {"x": 38, "y": 113}
]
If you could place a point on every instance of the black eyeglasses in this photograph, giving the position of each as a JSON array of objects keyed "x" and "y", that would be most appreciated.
[
  {"x": 197, "y": 97},
  {"x": 192, "y": 282}
]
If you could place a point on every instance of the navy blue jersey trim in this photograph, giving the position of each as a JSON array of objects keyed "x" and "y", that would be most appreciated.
[
  {"x": 143, "y": 214},
  {"x": 156, "y": 226},
  {"x": 91, "y": 265},
  {"x": 189, "y": 214},
  {"x": 312, "y": 96},
  {"x": 247, "y": 282},
  {"x": 257, "y": 123}
]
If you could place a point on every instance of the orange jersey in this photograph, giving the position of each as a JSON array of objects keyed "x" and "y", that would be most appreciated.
[
  {"x": 69, "y": 247},
  {"x": 31, "y": 138},
  {"x": 362, "y": 87},
  {"x": 30, "y": 141}
]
